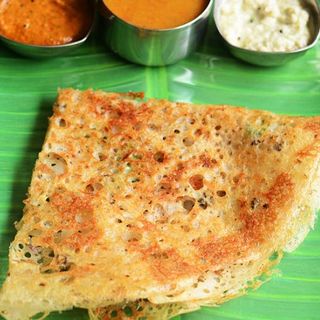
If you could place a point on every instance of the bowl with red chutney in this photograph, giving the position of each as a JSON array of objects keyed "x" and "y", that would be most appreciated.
[
  {"x": 153, "y": 32},
  {"x": 44, "y": 28}
]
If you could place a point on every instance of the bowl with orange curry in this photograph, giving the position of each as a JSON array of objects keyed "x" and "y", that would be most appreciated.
[
  {"x": 153, "y": 32},
  {"x": 45, "y": 28}
]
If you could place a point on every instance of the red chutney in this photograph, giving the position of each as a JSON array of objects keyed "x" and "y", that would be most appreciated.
[{"x": 45, "y": 22}]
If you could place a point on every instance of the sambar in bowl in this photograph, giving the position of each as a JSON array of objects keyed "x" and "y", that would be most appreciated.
[{"x": 152, "y": 32}]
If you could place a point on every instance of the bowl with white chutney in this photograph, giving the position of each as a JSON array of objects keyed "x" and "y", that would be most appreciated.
[{"x": 268, "y": 33}]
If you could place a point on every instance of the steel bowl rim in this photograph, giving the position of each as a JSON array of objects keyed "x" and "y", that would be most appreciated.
[{"x": 35, "y": 46}]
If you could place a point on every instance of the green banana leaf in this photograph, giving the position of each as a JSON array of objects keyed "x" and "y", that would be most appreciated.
[{"x": 211, "y": 75}]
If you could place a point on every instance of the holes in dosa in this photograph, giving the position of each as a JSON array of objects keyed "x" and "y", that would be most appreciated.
[
  {"x": 93, "y": 188},
  {"x": 191, "y": 121},
  {"x": 188, "y": 203},
  {"x": 278, "y": 146},
  {"x": 159, "y": 156},
  {"x": 188, "y": 141},
  {"x": 36, "y": 254},
  {"x": 102, "y": 156},
  {"x": 238, "y": 178},
  {"x": 221, "y": 193},
  {"x": 61, "y": 122},
  {"x": 165, "y": 187},
  {"x": 141, "y": 309},
  {"x": 59, "y": 263},
  {"x": 202, "y": 203},
  {"x": 196, "y": 181},
  {"x": 56, "y": 163},
  {"x": 254, "y": 203}
]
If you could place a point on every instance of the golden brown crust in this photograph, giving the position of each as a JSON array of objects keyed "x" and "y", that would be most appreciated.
[{"x": 158, "y": 200}]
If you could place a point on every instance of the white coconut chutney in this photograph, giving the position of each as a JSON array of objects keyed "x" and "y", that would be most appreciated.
[{"x": 264, "y": 25}]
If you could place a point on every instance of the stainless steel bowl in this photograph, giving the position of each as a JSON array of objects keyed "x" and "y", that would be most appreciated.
[
  {"x": 39, "y": 51},
  {"x": 153, "y": 47},
  {"x": 275, "y": 58}
]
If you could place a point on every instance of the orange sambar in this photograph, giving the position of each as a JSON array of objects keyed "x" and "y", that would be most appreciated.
[
  {"x": 156, "y": 14},
  {"x": 45, "y": 22}
]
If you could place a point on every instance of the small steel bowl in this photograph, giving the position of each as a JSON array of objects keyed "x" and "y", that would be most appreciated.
[
  {"x": 40, "y": 51},
  {"x": 275, "y": 58},
  {"x": 153, "y": 47}
]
